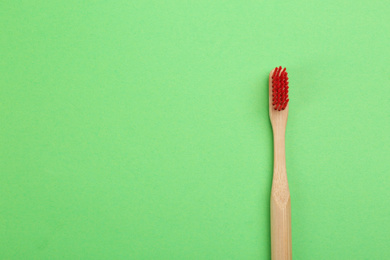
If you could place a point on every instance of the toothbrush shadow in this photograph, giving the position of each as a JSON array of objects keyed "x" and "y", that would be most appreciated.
[{"x": 263, "y": 112}]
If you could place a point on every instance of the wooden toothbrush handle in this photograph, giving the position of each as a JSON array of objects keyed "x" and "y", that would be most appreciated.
[{"x": 280, "y": 225}]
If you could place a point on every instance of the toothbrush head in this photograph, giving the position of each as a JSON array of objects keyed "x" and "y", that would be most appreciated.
[{"x": 279, "y": 89}]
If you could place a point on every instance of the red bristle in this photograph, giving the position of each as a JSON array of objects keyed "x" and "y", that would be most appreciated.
[{"x": 279, "y": 89}]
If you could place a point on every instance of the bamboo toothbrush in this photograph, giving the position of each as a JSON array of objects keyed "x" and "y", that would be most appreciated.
[{"x": 280, "y": 194}]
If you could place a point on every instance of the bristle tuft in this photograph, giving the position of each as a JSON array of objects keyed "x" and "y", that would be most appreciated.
[{"x": 279, "y": 89}]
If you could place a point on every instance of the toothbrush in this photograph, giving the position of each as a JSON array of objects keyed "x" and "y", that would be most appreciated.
[{"x": 280, "y": 193}]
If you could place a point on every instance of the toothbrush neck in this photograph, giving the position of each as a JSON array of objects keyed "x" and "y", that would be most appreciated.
[{"x": 279, "y": 151}]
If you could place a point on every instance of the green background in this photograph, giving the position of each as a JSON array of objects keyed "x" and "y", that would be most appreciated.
[{"x": 140, "y": 129}]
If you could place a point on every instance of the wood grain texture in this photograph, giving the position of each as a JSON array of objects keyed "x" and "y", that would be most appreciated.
[{"x": 280, "y": 194}]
